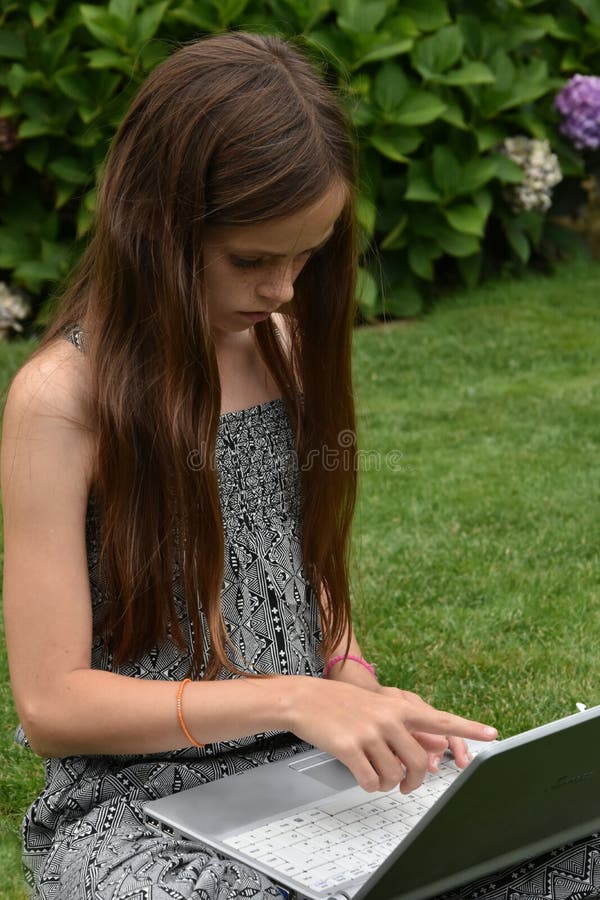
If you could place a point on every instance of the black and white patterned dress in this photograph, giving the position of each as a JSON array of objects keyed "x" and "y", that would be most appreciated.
[{"x": 84, "y": 837}]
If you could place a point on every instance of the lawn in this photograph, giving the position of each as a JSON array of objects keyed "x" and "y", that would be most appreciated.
[{"x": 476, "y": 568}]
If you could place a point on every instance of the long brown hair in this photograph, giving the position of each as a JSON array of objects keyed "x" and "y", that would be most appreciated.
[{"x": 231, "y": 130}]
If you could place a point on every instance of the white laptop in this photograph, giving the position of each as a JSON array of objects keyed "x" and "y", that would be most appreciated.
[{"x": 306, "y": 824}]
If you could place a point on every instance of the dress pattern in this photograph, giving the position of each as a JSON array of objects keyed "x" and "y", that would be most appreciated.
[{"x": 84, "y": 837}]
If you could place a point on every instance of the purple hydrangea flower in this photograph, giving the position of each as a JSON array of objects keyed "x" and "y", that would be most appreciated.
[{"x": 579, "y": 104}]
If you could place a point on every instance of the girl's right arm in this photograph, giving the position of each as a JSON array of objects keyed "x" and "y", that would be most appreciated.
[{"x": 68, "y": 708}]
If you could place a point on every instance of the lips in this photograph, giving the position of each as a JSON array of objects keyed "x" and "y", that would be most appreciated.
[{"x": 256, "y": 316}]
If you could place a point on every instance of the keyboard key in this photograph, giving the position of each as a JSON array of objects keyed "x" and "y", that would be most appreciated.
[{"x": 343, "y": 837}]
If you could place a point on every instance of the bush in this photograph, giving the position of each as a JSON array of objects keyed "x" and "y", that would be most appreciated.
[{"x": 433, "y": 89}]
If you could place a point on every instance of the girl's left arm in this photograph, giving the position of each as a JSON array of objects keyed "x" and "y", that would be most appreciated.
[{"x": 349, "y": 670}]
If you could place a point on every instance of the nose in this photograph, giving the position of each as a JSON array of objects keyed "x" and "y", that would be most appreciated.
[{"x": 278, "y": 285}]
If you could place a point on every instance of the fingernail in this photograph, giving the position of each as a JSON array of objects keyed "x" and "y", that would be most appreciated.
[{"x": 490, "y": 732}]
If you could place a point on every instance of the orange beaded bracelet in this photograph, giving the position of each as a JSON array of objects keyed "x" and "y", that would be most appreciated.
[{"x": 182, "y": 724}]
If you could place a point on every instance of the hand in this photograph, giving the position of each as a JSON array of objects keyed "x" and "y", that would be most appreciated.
[
  {"x": 438, "y": 746},
  {"x": 384, "y": 737}
]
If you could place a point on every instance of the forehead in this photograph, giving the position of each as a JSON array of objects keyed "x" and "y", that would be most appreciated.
[{"x": 288, "y": 235}]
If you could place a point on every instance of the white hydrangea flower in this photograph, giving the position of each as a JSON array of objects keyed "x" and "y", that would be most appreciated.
[
  {"x": 541, "y": 171},
  {"x": 14, "y": 307}
]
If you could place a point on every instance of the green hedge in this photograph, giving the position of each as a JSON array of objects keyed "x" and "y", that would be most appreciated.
[{"x": 432, "y": 85}]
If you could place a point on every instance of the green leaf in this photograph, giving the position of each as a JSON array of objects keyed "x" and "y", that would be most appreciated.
[
  {"x": 19, "y": 77},
  {"x": 454, "y": 243},
  {"x": 15, "y": 247},
  {"x": 391, "y": 87},
  {"x": 504, "y": 71},
  {"x": 90, "y": 200},
  {"x": 145, "y": 26},
  {"x": 152, "y": 54},
  {"x": 590, "y": 8},
  {"x": 366, "y": 213},
  {"x": 466, "y": 218},
  {"x": 565, "y": 29},
  {"x": 401, "y": 26},
  {"x": 439, "y": 52},
  {"x": 123, "y": 9},
  {"x": 9, "y": 109},
  {"x": 446, "y": 171},
  {"x": 103, "y": 58},
  {"x": 470, "y": 269},
  {"x": 11, "y": 45},
  {"x": 507, "y": 171},
  {"x": 384, "y": 50},
  {"x": 34, "y": 272},
  {"x": 75, "y": 86},
  {"x": 206, "y": 19},
  {"x": 361, "y": 112},
  {"x": 230, "y": 10},
  {"x": 69, "y": 169},
  {"x": 532, "y": 83},
  {"x": 36, "y": 155},
  {"x": 56, "y": 252},
  {"x": 63, "y": 193},
  {"x": 16, "y": 79},
  {"x": 30, "y": 128},
  {"x": 38, "y": 14},
  {"x": 454, "y": 115},
  {"x": 367, "y": 292},
  {"x": 395, "y": 238},
  {"x": 534, "y": 124},
  {"x": 85, "y": 220},
  {"x": 35, "y": 104},
  {"x": 483, "y": 201},
  {"x": 470, "y": 73},
  {"x": 420, "y": 259},
  {"x": 90, "y": 137},
  {"x": 395, "y": 146},
  {"x": 427, "y": 16},
  {"x": 476, "y": 173},
  {"x": 420, "y": 187},
  {"x": 488, "y": 136},
  {"x": 360, "y": 16},
  {"x": 403, "y": 302},
  {"x": 517, "y": 239},
  {"x": 533, "y": 225},
  {"x": 418, "y": 108},
  {"x": 106, "y": 28},
  {"x": 54, "y": 46}
]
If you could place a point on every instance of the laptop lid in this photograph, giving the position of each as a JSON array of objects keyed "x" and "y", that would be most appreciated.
[{"x": 518, "y": 798}]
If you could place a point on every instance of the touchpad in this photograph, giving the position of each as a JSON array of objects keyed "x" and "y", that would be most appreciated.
[{"x": 333, "y": 773}]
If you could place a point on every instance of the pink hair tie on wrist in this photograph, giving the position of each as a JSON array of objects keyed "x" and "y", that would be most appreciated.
[{"x": 357, "y": 659}]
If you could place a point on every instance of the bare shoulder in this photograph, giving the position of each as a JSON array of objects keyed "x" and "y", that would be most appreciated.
[
  {"x": 54, "y": 383},
  {"x": 49, "y": 403}
]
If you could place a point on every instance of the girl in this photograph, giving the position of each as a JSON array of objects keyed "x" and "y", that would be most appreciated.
[{"x": 176, "y": 541}]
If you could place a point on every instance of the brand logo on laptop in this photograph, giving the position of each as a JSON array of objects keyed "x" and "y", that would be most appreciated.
[{"x": 566, "y": 780}]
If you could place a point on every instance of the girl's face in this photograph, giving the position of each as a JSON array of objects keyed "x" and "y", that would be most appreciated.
[{"x": 249, "y": 270}]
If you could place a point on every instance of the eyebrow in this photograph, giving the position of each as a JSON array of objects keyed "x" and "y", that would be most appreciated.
[{"x": 262, "y": 253}]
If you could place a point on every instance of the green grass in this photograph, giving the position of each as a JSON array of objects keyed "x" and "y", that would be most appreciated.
[{"x": 476, "y": 575}]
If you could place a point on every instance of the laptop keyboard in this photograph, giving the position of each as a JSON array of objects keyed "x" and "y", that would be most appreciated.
[{"x": 338, "y": 840}]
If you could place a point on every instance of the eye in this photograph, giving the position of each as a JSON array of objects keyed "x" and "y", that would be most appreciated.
[{"x": 241, "y": 262}]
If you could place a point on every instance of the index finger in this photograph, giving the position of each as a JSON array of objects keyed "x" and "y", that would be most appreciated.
[{"x": 440, "y": 722}]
